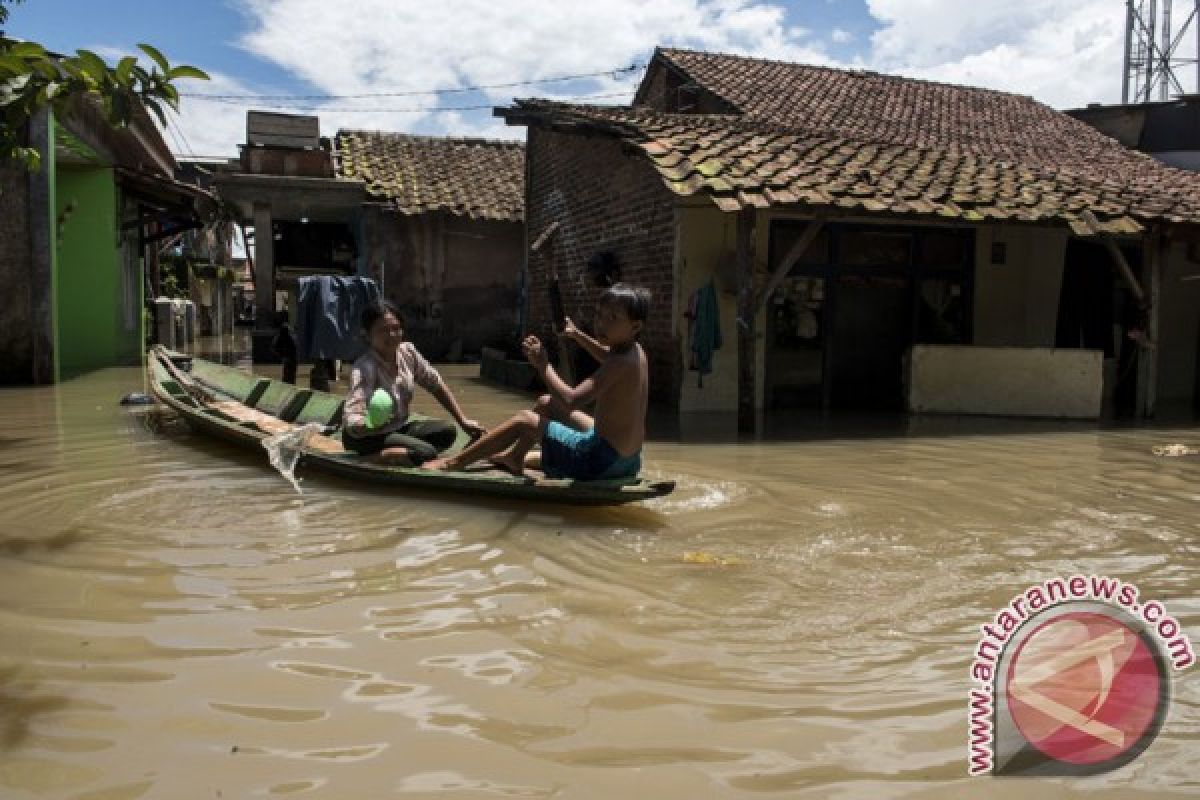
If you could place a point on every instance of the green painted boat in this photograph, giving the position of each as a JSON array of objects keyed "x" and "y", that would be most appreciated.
[{"x": 246, "y": 409}]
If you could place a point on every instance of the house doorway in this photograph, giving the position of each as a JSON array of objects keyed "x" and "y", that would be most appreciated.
[
  {"x": 840, "y": 325},
  {"x": 871, "y": 331}
]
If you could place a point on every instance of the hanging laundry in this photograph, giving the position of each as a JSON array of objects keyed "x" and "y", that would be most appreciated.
[
  {"x": 704, "y": 329},
  {"x": 329, "y": 309}
]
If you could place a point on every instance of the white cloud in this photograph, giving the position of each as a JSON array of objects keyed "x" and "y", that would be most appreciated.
[
  {"x": 1063, "y": 52},
  {"x": 1066, "y": 53},
  {"x": 209, "y": 127},
  {"x": 389, "y": 46}
]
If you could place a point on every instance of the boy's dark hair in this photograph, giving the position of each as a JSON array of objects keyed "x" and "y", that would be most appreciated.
[
  {"x": 633, "y": 300},
  {"x": 376, "y": 311}
]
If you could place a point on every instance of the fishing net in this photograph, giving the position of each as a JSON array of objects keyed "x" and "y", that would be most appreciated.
[{"x": 284, "y": 450}]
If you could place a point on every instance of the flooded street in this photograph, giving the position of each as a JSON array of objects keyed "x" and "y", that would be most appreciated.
[{"x": 797, "y": 620}]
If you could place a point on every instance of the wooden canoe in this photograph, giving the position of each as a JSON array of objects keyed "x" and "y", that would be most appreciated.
[{"x": 245, "y": 409}]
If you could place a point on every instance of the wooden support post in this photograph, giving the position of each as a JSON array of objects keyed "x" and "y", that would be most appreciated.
[
  {"x": 1158, "y": 257},
  {"x": 264, "y": 286},
  {"x": 264, "y": 268},
  {"x": 1126, "y": 272},
  {"x": 1153, "y": 253},
  {"x": 747, "y": 323}
]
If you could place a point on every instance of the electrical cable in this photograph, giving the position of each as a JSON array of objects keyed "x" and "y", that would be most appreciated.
[
  {"x": 615, "y": 73},
  {"x": 408, "y": 110}
]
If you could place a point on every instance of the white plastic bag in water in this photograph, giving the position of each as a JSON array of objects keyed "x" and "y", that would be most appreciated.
[{"x": 284, "y": 450}]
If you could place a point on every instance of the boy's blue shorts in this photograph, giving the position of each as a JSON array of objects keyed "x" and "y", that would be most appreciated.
[{"x": 584, "y": 456}]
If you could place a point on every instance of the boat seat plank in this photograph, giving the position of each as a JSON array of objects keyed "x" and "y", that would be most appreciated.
[
  {"x": 323, "y": 408},
  {"x": 233, "y": 382},
  {"x": 276, "y": 398}
]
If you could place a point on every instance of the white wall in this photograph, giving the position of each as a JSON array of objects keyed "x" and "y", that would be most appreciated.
[
  {"x": 704, "y": 236},
  {"x": 1007, "y": 381},
  {"x": 1016, "y": 303}
]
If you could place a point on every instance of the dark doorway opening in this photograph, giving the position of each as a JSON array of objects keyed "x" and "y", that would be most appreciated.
[
  {"x": 1097, "y": 311},
  {"x": 840, "y": 325}
]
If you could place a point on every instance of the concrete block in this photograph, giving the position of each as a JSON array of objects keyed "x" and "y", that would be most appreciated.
[{"x": 1006, "y": 381}]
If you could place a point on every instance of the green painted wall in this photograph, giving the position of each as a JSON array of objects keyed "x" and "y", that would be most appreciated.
[
  {"x": 50, "y": 164},
  {"x": 89, "y": 330}
]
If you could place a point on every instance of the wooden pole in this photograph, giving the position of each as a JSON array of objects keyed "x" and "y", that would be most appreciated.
[
  {"x": 1150, "y": 351},
  {"x": 566, "y": 366},
  {"x": 747, "y": 323},
  {"x": 1123, "y": 267}
]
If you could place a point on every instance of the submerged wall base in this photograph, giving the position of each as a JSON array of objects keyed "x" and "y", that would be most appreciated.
[{"x": 1006, "y": 381}]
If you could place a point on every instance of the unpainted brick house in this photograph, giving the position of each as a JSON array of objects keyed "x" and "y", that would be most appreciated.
[
  {"x": 442, "y": 231},
  {"x": 872, "y": 241}
]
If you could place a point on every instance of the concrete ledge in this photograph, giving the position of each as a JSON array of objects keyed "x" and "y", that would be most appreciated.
[
  {"x": 493, "y": 366},
  {"x": 1006, "y": 381}
]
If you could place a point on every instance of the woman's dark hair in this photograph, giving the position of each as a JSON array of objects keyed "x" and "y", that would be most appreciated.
[
  {"x": 633, "y": 300},
  {"x": 376, "y": 311}
]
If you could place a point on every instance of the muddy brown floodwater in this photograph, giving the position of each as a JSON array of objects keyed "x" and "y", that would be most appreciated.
[{"x": 177, "y": 622}]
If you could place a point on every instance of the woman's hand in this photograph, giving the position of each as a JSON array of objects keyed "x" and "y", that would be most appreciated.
[
  {"x": 472, "y": 428},
  {"x": 535, "y": 353}
]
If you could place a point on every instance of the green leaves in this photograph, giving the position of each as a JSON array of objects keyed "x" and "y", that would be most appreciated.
[
  {"x": 124, "y": 70},
  {"x": 156, "y": 57},
  {"x": 93, "y": 66},
  {"x": 25, "y": 50},
  {"x": 31, "y": 78},
  {"x": 184, "y": 71}
]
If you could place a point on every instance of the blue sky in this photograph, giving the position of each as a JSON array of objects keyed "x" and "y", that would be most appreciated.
[{"x": 1064, "y": 52}]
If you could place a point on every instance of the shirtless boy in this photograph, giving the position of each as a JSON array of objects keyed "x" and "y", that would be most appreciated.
[{"x": 606, "y": 446}]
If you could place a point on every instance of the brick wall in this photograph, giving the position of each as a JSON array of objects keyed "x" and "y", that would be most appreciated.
[
  {"x": 16, "y": 335},
  {"x": 454, "y": 278},
  {"x": 604, "y": 200}
]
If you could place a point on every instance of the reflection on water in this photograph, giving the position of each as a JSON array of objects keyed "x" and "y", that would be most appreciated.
[{"x": 175, "y": 621}]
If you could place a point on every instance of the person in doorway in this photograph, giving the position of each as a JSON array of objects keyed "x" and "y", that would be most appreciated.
[
  {"x": 575, "y": 445},
  {"x": 284, "y": 346},
  {"x": 382, "y": 383}
]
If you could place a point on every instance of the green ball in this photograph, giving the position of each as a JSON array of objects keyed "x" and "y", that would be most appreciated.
[{"x": 379, "y": 409}]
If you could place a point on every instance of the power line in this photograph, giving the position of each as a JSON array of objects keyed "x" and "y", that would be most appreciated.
[
  {"x": 178, "y": 122},
  {"x": 171, "y": 132},
  {"x": 615, "y": 73},
  {"x": 409, "y": 110}
]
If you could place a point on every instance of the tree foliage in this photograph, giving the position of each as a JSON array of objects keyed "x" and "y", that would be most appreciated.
[{"x": 31, "y": 78}]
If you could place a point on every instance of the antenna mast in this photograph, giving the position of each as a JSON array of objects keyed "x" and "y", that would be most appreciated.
[{"x": 1154, "y": 62}]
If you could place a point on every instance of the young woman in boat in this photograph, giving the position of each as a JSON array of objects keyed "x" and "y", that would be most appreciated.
[{"x": 382, "y": 383}]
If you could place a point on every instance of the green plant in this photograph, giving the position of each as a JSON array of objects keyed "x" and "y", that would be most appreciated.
[{"x": 32, "y": 78}]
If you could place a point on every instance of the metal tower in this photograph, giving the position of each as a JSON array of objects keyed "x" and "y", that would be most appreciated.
[{"x": 1153, "y": 43}]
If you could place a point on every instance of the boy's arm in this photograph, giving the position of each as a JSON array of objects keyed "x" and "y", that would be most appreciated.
[
  {"x": 570, "y": 396},
  {"x": 594, "y": 349}
]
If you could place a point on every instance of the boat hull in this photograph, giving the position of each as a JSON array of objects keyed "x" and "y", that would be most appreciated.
[{"x": 178, "y": 389}]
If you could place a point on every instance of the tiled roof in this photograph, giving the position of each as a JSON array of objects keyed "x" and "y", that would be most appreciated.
[
  {"x": 824, "y": 137},
  {"x": 476, "y": 178}
]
